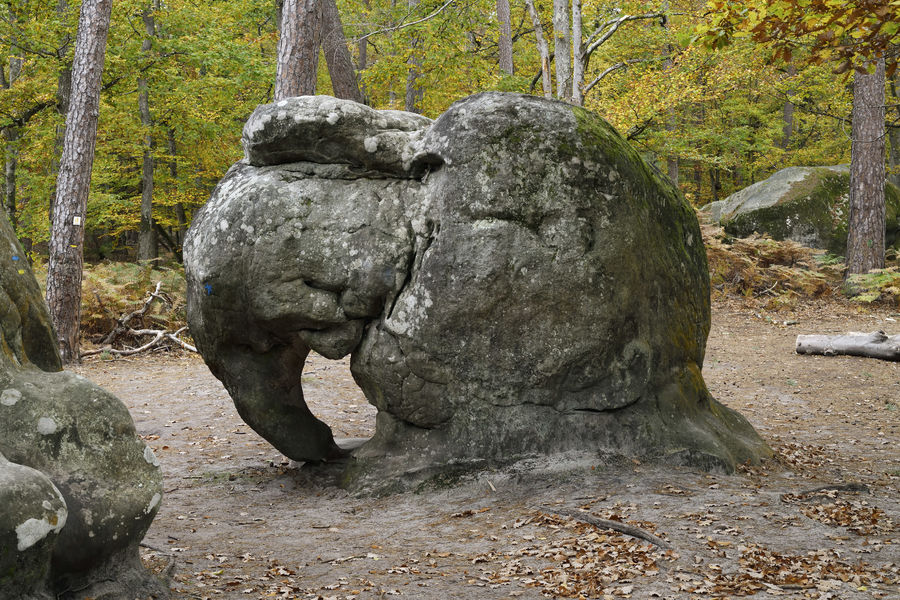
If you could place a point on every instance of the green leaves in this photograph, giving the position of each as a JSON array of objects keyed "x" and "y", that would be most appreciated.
[{"x": 208, "y": 67}]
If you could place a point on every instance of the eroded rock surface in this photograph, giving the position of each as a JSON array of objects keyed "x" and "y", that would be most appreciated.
[
  {"x": 809, "y": 205},
  {"x": 510, "y": 280},
  {"x": 78, "y": 488}
]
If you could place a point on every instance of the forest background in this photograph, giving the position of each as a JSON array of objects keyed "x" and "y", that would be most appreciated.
[{"x": 181, "y": 77}]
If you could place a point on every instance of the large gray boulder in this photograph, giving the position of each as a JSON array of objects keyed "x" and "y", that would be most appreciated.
[
  {"x": 519, "y": 283},
  {"x": 78, "y": 488},
  {"x": 809, "y": 205}
]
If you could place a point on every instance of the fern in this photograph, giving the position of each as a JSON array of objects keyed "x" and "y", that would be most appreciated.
[{"x": 879, "y": 284}]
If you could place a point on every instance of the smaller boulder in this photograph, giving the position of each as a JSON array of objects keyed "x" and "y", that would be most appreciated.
[
  {"x": 33, "y": 514},
  {"x": 809, "y": 205},
  {"x": 78, "y": 487}
]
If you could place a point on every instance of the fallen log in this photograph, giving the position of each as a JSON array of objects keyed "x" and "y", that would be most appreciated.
[{"x": 869, "y": 345}]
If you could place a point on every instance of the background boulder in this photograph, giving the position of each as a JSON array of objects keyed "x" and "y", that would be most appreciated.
[
  {"x": 809, "y": 205},
  {"x": 79, "y": 487},
  {"x": 527, "y": 286}
]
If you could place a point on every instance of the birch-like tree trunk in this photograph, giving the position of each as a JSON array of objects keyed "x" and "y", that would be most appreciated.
[
  {"x": 414, "y": 92},
  {"x": 147, "y": 244},
  {"x": 10, "y": 164},
  {"x": 64, "y": 271},
  {"x": 865, "y": 240},
  {"x": 562, "y": 49},
  {"x": 787, "y": 114},
  {"x": 362, "y": 48},
  {"x": 504, "y": 40},
  {"x": 334, "y": 45},
  {"x": 298, "y": 49},
  {"x": 543, "y": 49},
  {"x": 578, "y": 65}
]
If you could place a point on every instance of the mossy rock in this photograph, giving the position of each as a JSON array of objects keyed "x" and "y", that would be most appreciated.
[
  {"x": 78, "y": 487},
  {"x": 809, "y": 205},
  {"x": 526, "y": 286}
]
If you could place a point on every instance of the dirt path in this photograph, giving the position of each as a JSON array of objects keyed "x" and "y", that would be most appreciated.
[{"x": 242, "y": 522}]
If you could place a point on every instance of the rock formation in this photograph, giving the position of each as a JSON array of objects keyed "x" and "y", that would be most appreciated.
[
  {"x": 511, "y": 280},
  {"x": 78, "y": 488},
  {"x": 809, "y": 205}
]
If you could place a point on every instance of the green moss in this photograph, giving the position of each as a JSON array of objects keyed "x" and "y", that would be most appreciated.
[{"x": 815, "y": 212}]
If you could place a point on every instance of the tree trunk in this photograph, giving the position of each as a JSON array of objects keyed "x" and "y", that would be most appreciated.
[
  {"x": 698, "y": 179},
  {"x": 10, "y": 163},
  {"x": 672, "y": 168},
  {"x": 543, "y": 49},
  {"x": 562, "y": 49},
  {"x": 577, "y": 56},
  {"x": 11, "y": 135},
  {"x": 337, "y": 56},
  {"x": 147, "y": 244},
  {"x": 74, "y": 179},
  {"x": 504, "y": 40},
  {"x": 362, "y": 49},
  {"x": 714, "y": 183},
  {"x": 298, "y": 49},
  {"x": 180, "y": 215},
  {"x": 671, "y": 118},
  {"x": 787, "y": 114},
  {"x": 865, "y": 240},
  {"x": 414, "y": 92}
]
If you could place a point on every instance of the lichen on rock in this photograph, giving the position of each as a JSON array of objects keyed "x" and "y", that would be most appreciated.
[
  {"x": 521, "y": 283},
  {"x": 809, "y": 205},
  {"x": 76, "y": 495}
]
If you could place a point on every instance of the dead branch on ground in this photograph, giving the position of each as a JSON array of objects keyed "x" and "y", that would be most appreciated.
[
  {"x": 631, "y": 530},
  {"x": 124, "y": 329}
]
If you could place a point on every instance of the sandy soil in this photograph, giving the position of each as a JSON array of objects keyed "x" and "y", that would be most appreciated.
[{"x": 240, "y": 521}]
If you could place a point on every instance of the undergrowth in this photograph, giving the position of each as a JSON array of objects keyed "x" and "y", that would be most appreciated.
[
  {"x": 111, "y": 290},
  {"x": 879, "y": 285},
  {"x": 780, "y": 274}
]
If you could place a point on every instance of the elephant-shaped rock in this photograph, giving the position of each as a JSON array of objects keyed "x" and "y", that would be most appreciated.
[{"x": 511, "y": 280}]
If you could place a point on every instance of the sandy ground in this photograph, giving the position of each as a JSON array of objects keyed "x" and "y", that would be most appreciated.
[{"x": 240, "y": 521}]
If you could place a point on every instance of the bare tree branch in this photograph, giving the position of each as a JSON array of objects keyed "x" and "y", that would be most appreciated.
[
  {"x": 403, "y": 25},
  {"x": 593, "y": 42},
  {"x": 621, "y": 65}
]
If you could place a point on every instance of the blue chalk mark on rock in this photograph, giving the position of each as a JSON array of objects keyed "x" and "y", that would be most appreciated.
[
  {"x": 208, "y": 289},
  {"x": 15, "y": 258}
]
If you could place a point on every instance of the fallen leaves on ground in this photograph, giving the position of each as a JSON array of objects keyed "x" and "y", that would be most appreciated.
[
  {"x": 802, "y": 456},
  {"x": 856, "y": 515},
  {"x": 584, "y": 561},
  {"x": 761, "y": 569}
]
